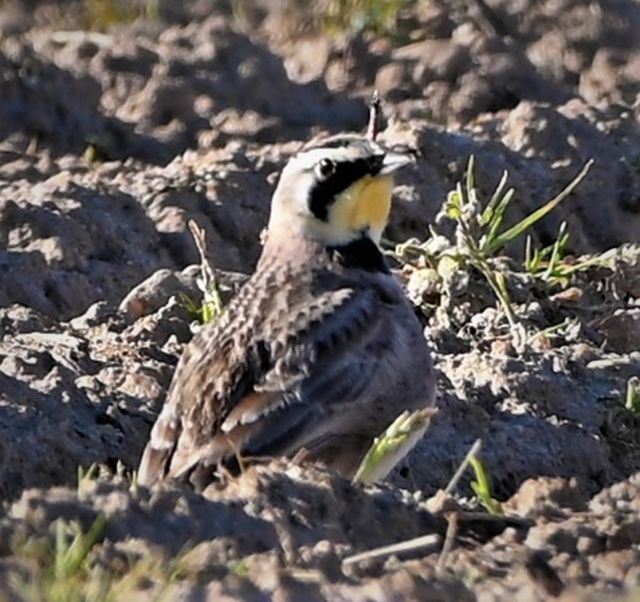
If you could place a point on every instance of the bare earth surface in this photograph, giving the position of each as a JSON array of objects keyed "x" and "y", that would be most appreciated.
[{"x": 109, "y": 144}]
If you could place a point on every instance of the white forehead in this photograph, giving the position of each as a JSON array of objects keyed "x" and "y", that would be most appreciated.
[{"x": 308, "y": 159}]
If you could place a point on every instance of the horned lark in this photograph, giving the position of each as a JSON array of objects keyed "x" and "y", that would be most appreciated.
[{"x": 320, "y": 350}]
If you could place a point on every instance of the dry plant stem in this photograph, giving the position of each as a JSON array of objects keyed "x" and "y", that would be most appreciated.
[
  {"x": 375, "y": 105},
  {"x": 210, "y": 288},
  {"x": 424, "y": 541},
  {"x": 473, "y": 451},
  {"x": 452, "y": 531},
  {"x": 610, "y": 362},
  {"x": 200, "y": 240},
  {"x": 433, "y": 539}
]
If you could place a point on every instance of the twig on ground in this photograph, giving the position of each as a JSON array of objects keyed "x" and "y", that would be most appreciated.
[
  {"x": 450, "y": 536},
  {"x": 200, "y": 240},
  {"x": 208, "y": 283},
  {"x": 424, "y": 541},
  {"x": 437, "y": 503},
  {"x": 473, "y": 451}
]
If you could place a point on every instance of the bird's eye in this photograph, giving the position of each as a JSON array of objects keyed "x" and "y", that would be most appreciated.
[{"x": 325, "y": 168}]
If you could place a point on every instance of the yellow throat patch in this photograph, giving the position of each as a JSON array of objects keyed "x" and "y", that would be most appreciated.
[{"x": 364, "y": 205}]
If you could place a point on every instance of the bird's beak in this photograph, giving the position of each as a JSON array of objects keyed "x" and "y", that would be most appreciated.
[{"x": 393, "y": 161}]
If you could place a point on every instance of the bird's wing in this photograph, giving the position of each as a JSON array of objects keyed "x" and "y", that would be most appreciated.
[{"x": 252, "y": 391}]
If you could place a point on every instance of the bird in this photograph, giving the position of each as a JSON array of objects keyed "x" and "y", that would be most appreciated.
[{"x": 320, "y": 350}]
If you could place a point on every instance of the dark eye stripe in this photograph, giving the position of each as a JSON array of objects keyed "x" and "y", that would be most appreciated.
[{"x": 324, "y": 192}]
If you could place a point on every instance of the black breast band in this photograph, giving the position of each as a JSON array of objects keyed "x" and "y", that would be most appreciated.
[{"x": 362, "y": 253}]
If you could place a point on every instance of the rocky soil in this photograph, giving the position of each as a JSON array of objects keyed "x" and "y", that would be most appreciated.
[{"x": 112, "y": 139}]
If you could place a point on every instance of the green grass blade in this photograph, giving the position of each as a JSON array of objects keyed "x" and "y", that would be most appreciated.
[
  {"x": 528, "y": 255},
  {"x": 83, "y": 544},
  {"x": 557, "y": 252},
  {"x": 482, "y": 480},
  {"x": 482, "y": 487},
  {"x": 495, "y": 243},
  {"x": 496, "y": 221},
  {"x": 470, "y": 175},
  {"x": 487, "y": 214},
  {"x": 396, "y": 441},
  {"x": 61, "y": 549}
]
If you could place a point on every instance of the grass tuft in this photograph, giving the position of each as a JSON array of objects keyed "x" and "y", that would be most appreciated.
[
  {"x": 480, "y": 235},
  {"x": 211, "y": 307},
  {"x": 86, "y": 475},
  {"x": 69, "y": 566},
  {"x": 355, "y": 16},
  {"x": 60, "y": 571}
]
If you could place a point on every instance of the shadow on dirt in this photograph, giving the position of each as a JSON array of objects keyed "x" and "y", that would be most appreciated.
[{"x": 159, "y": 111}]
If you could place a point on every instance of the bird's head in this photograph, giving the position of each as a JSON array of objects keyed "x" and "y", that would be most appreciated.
[{"x": 336, "y": 191}]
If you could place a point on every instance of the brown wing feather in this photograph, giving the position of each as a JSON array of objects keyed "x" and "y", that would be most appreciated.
[
  {"x": 250, "y": 408},
  {"x": 229, "y": 385},
  {"x": 154, "y": 464}
]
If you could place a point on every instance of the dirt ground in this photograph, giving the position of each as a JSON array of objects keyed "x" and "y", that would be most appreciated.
[{"x": 114, "y": 135}]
